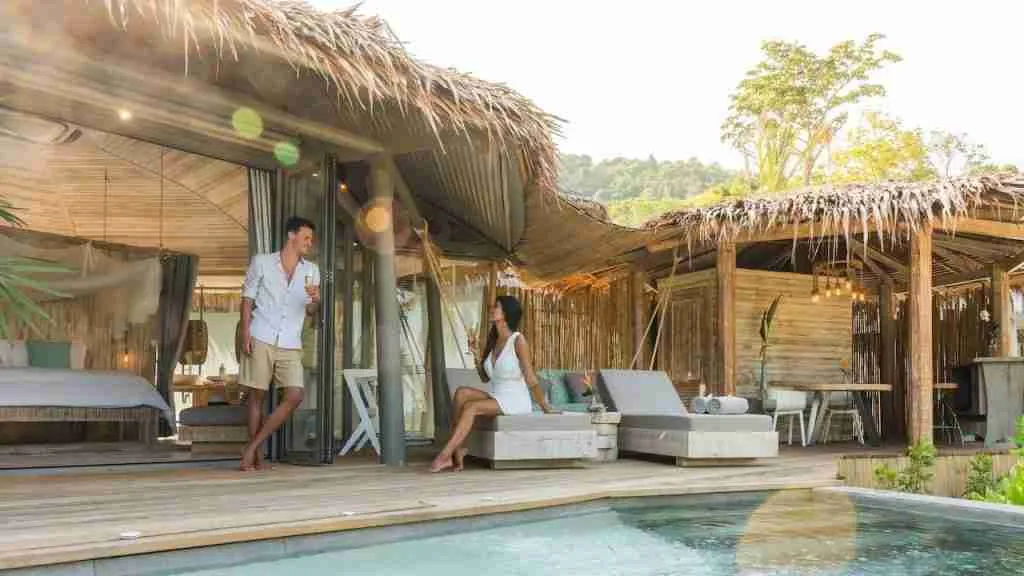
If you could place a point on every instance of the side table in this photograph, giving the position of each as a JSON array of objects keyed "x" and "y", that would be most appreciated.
[{"x": 606, "y": 424}]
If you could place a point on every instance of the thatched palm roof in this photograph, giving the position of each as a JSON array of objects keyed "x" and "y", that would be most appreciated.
[
  {"x": 845, "y": 210},
  {"x": 474, "y": 151},
  {"x": 976, "y": 223}
]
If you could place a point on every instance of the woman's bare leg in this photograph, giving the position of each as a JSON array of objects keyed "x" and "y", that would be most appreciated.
[
  {"x": 463, "y": 395},
  {"x": 463, "y": 427}
]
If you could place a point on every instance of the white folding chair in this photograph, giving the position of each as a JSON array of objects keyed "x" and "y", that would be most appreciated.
[{"x": 789, "y": 403}]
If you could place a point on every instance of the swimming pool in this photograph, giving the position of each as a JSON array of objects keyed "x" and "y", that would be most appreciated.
[{"x": 781, "y": 533}]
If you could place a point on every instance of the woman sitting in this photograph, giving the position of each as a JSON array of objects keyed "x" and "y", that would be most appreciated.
[{"x": 506, "y": 365}]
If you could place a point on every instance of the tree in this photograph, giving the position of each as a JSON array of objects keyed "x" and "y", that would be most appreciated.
[
  {"x": 953, "y": 154},
  {"x": 621, "y": 179},
  {"x": 882, "y": 149},
  {"x": 784, "y": 114}
]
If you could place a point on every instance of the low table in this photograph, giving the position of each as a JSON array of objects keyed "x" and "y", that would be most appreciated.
[{"x": 606, "y": 425}]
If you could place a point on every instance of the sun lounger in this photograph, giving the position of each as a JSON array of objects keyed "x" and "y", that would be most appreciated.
[
  {"x": 527, "y": 441},
  {"x": 654, "y": 421}
]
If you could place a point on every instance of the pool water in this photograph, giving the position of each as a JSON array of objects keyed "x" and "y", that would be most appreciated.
[{"x": 781, "y": 534}]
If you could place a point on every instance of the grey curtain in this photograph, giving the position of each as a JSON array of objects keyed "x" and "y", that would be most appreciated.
[
  {"x": 261, "y": 210},
  {"x": 177, "y": 283}
]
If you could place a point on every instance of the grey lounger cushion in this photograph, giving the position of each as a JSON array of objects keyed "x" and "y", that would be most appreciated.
[
  {"x": 536, "y": 422},
  {"x": 459, "y": 377},
  {"x": 221, "y": 415},
  {"x": 700, "y": 422},
  {"x": 640, "y": 392}
]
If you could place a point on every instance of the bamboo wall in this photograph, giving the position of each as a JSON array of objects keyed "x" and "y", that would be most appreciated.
[
  {"x": 76, "y": 320},
  {"x": 951, "y": 470},
  {"x": 580, "y": 330}
]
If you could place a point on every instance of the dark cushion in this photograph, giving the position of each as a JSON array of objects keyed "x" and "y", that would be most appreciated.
[
  {"x": 578, "y": 389},
  {"x": 700, "y": 422},
  {"x": 221, "y": 415}
]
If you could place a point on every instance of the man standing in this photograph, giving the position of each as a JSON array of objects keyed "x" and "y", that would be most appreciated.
[{"x": 280, "y": 290}]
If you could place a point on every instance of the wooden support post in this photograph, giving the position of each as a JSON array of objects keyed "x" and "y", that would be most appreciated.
[
  {"x": 641, "y": 317},
  {"x": 892, "y": 419},
  {"x": 727, "y": 318},
  {"x": 366, "y": 341},
  {"x": 1001, "y": 312},
  {"x": 435, "y": 342},
  {"x": 389, "y": 367},
  {"x": 919, "y": 314}
]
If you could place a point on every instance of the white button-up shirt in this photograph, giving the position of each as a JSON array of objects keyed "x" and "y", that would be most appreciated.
[{"x": 279, "y": 305}]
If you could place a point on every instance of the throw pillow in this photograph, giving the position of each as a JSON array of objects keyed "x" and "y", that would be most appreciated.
[
  {"x": 77, "y": 355},
  {"x": 5, "y": 354},
  {"x": 558, "y": 394},
  {"x": 49, "y": 354},
  {"x": 15, "y": 355},
  {"x": 577, "y": 388}
]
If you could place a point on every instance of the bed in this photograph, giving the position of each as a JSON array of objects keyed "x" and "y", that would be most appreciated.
[{"x": 66, "y": 395}]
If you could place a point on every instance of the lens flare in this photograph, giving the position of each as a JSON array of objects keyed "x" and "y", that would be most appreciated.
[
  {"x": 248, "y": 123},
  {"x": 799, "y": 532},
  {"x": 287, "y": 153},
  {"x": 378, "y": 219},
  {"x": 124, "y": 114}
]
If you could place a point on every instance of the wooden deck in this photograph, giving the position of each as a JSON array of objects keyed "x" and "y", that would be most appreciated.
[{"x": 82, "y": 515}]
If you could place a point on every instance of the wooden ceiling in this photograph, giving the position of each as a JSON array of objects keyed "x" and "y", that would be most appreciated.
[{"x": 106, "y": 187}]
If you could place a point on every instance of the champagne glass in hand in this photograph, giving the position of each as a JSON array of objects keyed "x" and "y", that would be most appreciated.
[{"x": 312, "y": 290}]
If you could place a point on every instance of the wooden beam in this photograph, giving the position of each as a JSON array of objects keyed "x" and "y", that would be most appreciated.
[
  {"x": 878, "y": 255},
  {"x": 993, "y": 228},
  {"x": 955, "y": 262},
  {"x": 119, "y": 76},
  {"x": 919, "y": 314},
  {"x": 726, "y": 352},
  {"x": 1009, "y": 264},
  {"x": 891, "y": 417},
  {"x": 404, "y": 193},
  {"x": 1002, "y": 310}
]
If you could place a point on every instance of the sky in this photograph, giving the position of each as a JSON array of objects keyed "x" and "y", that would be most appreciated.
[{"x": 653, "y": 77}]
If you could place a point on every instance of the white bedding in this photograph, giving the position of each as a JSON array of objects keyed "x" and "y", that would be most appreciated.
[{"x": 78, "y": 389}]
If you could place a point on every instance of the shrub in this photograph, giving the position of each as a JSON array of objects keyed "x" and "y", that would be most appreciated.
[{"x": 914, "y": 478}]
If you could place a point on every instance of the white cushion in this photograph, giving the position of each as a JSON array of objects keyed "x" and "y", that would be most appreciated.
[
  {"x": 77, "y": 359},
  {"x": 13, "y": 354}
]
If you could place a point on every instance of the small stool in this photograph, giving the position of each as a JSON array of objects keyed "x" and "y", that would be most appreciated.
[{"x": 950, "y": 427}]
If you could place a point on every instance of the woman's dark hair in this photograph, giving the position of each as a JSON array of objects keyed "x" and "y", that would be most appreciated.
[{"x": 513, "y": 312}]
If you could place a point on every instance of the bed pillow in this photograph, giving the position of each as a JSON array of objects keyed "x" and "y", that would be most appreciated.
[
  {"x": 49, "y": 354},
  {"x": 77, "y": 355},
  {"x": 13, "y": 354}
]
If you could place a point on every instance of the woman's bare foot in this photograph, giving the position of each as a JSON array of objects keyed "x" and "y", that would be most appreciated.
[
  {"x": 441, "y": 462},
  {"x": 248, "y": 463},
  {"x": 459, "y": 459}
]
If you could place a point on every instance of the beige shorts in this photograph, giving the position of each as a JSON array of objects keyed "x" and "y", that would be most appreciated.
[{"x": 269, "y": 362}]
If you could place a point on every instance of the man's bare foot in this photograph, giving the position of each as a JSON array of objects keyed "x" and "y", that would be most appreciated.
[
  {"x": 440, "y": 463},
  {"x": 459, "y": 458},
  {"x": 248, "y": 463}
]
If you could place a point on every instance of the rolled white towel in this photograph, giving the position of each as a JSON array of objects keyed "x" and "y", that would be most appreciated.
[
  {"x": 728, "y": 405},
  {"x": 699, "y": 405}
]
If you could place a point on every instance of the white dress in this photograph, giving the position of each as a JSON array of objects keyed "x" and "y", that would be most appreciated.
[{"x": 508, "y": 387}]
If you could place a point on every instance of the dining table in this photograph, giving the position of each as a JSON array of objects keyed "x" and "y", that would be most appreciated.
[{"x": 821, "y": 392}]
